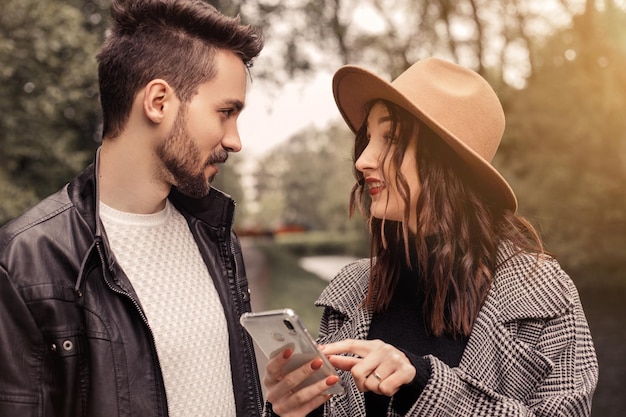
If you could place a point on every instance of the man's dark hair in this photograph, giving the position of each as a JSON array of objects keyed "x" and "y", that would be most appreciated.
[{"x": 175, "y": 40}]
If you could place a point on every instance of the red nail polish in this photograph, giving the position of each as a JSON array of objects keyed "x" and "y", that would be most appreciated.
[
  {"x": 332, "y": 380},
  {"x": 316, "y": 364},
  {"x": 287, "y": 353}
]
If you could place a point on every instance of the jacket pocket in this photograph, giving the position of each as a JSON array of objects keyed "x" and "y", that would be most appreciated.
[
  {"x": 66, "y": 345},
  {"x": 23, "y": 405},
  {"x": 508, "y": 365},
  {"x": 66, "y": 372}
]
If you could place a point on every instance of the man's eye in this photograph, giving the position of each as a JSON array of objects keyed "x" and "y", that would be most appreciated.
[{"x": 227, "y": 112}]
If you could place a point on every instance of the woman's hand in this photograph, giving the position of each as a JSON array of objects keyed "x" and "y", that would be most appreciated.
[
  {"x": 286, "y": 400},
  {"x": 379, "y": 367}
]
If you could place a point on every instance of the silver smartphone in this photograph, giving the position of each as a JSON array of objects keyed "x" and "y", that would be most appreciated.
[{"x": 274, "y": 331}]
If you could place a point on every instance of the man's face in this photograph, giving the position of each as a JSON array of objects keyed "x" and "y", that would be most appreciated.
[{"x": 205, "y": 130}]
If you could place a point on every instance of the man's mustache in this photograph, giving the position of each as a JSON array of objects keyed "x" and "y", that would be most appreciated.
[{"x": 218, "y": 157}]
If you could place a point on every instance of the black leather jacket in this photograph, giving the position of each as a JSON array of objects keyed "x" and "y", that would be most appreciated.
[{"x": 74, "y": 340}]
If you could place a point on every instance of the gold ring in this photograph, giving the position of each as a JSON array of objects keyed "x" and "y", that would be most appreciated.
[{"x": 378, "y": 377}]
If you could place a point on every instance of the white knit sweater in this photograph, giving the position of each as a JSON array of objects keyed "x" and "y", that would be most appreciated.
[{"x": 160, "y": 257}]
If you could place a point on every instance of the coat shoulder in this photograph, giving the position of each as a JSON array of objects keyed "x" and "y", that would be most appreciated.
[
  {"x": 348, "y": 288},
  {"x": 528, "y": 285}
]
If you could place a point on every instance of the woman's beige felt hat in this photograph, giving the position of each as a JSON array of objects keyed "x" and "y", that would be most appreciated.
[{"x": 455, "y": 102}]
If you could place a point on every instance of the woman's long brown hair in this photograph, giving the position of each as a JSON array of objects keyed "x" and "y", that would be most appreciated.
[{"x": 458, "y": 234}]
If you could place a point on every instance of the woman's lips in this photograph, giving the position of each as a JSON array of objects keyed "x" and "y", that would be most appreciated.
[{"x": 374, "y": 185}]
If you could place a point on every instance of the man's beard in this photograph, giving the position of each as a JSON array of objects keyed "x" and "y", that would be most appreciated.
[{"x": 181, "y": 158}]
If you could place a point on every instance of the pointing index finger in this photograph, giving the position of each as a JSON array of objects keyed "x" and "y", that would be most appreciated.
[{"x": 357, "y": 347}]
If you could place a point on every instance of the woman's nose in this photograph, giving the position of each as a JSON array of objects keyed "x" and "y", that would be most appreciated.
[{"x": 368, "y": 159}]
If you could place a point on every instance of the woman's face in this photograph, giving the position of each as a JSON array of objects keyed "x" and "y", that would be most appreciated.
[{"x": 379, "y": 173}]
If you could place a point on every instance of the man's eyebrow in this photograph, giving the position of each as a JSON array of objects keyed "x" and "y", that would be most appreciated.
[{"x": 237, "y": 104}]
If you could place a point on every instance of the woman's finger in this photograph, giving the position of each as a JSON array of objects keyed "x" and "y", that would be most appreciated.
[
  {"x": 380, "y": 367},
  {"x": 372, "y": 381},
  {"x": 390, "y": 384},
  {"x": 287, "y": 385},
  {"x": 345, "y": 363},
  {"x": 296, "y": 401},
  {"x": 301, "y": 403},
  {"x": 357, "y": 347},
  {"x": 390, "y": 374},
  {"x": 273, "y": 368}
]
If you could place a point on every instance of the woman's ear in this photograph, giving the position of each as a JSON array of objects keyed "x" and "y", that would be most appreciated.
[{"x": 157, "y": 100}]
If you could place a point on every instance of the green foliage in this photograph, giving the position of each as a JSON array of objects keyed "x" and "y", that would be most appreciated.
[
  {"x": 48, "y": 100},
  {"x": 307, "y": 181},
  {"x": 565, "y": 147}
]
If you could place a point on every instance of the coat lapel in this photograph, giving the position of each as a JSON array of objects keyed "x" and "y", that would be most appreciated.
[
  {"x": 345, "y": 295},
  {"x": 523, "y": 296}
]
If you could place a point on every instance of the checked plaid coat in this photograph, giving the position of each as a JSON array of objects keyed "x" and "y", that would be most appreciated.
[{"x": 530, "y": 352}]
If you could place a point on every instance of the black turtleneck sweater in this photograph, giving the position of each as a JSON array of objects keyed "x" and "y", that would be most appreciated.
[{"x": 402, "y": 325}]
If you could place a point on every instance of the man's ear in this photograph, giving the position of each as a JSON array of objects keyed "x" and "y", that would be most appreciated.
[{"x": 157, "y": 99}]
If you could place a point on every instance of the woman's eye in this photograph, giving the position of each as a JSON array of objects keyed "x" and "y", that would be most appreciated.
[{"x": 389, "y": 138}]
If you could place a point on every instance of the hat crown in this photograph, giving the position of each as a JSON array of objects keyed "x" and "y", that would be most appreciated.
[{"x": 461, "y": 102}]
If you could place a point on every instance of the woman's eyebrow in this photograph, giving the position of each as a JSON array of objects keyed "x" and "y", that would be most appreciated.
[{"x": 381, "y": 120}]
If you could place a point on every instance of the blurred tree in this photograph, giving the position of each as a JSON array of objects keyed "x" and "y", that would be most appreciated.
[
  {"x": 390, "y": 35},
  {"x": 269, "y": 192},
  {"x": 48, "y": 100},
  {"x": 565, "y": 146},
  {"x": 307, "y": 181},
  {"x": 50, "y": 120}
]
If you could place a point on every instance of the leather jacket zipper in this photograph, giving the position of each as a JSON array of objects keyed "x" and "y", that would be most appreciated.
[
  {"x": 157, "y": 363},
  {"x": 246, "y": 339}
]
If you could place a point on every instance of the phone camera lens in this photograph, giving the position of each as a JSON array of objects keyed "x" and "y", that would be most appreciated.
[{"x": 288, "y": 324}]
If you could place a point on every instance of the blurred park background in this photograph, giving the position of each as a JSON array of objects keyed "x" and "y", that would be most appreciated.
[{"x": 559, "y": 67}]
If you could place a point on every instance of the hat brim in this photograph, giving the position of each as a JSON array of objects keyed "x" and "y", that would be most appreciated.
[{"x": 355, "y": 87}]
